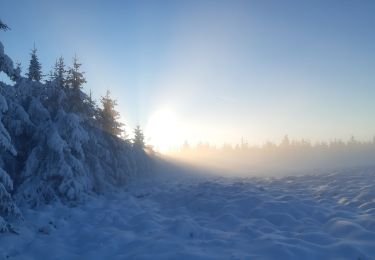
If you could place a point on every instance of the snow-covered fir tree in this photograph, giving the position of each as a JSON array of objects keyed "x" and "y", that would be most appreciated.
[
  {"x": 35, "y": 68},
  {"x": 59, "y": 73},
  {"x": 91, "y": 108},
  {"x": 8, "y": 209},
  {"x": 6, "y": 65},
  {"x": 9, "y": 212},
  {"x": 109, "y": 117},
  {"x": 75, "y": 78},
  {"x": 139, "y": 138},
  {"x": 74, "y": 82}
]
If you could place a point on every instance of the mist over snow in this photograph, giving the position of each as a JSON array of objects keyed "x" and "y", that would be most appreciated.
[
  {"x": 177, "y": 214},
  {"x": 289, "y": 157},
  {"x": 78, "y": 183}
]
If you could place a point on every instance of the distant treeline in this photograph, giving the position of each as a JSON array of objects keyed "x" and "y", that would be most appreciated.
[{"x": 288, "y": 155}]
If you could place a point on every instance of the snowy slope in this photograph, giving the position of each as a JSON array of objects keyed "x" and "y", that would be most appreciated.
[{"x": 326, "y": 216}]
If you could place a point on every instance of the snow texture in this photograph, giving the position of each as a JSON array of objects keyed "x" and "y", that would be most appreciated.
[{"x": 326, "y": 216}]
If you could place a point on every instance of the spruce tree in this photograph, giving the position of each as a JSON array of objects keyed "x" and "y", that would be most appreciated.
[
  {"x": 109, "y": 116},
  {"x": 6, "y": 64},
  {"x": 74, "y": 82},
  {"x": 139, "y": 139},
  {"x": 59, "y": 72},
  {"x": 8, "y": 209},
  {"x": 35, "y": 68},
  {"x": 90, "y": 110},
  {"x": 75, "y": 78}
]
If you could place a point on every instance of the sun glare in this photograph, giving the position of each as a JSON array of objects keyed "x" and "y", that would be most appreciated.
[{"x": 163, "y": 130}]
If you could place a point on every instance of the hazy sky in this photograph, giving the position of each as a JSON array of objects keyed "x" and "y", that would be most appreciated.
[{"x": 214, "y": 70}]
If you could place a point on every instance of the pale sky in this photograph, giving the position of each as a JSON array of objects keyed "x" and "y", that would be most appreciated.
[{"x": 214, "y": 71}]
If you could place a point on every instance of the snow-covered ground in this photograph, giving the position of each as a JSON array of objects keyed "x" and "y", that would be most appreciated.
[{"x": 326, "y": 216}]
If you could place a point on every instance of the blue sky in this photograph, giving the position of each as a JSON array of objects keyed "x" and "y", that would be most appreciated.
[{"x": 224, "y": 69}]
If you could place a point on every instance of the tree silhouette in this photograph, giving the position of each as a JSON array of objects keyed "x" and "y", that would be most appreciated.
[
  {"x": 35, "y": 68},
  {"x": 109, "y": 116},
  {"x": 139, "y": 138},
  {"x": 59, "y": 73},
  {"x": 74, "y": 82}
]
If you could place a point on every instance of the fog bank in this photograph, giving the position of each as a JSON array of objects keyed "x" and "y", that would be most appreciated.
[{"x": 286, "y": 158}]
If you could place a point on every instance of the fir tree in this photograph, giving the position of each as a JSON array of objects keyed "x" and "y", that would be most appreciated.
[
  {"x": 59, "y": 73},
  {"x": 75, "y": 78},
  {"x": 35, "y": 68},
  {"x": 8, "y": 209},
  {"x": 139, "y": 139},
  {"x": 74, "y": 82},
  {"x": 90, "y": 110},
  {"x": 109, "y": 116},
  {"x": 91, "y": 107}
]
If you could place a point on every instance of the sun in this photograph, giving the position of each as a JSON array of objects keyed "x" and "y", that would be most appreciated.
[{"x": 163, "y": 130}]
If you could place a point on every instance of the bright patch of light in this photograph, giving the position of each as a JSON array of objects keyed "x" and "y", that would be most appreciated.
[{"x": 164, "y": 130}]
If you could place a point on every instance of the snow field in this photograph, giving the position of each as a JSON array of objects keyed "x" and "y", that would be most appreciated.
[{"x": 328, "y": 216}]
